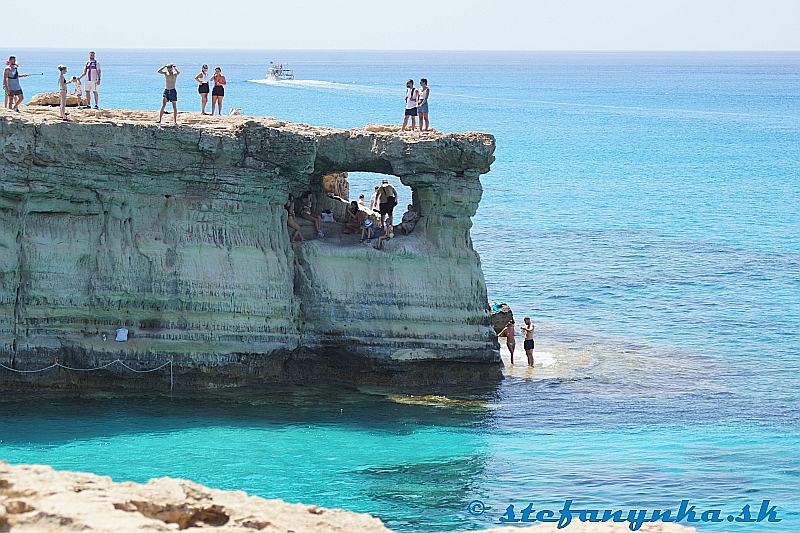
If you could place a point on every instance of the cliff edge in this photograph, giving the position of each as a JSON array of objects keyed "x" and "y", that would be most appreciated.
[{"x": 178, "y": 233}]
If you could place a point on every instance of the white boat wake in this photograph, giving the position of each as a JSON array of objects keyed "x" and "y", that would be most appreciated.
[{"x": 319, "y": 84}]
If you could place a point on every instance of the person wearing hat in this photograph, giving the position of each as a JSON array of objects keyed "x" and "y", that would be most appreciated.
[
  {"x": 170, "y": 73},
  {"x": 367, "y": 230},
  {"x": 62, "y": 92}
]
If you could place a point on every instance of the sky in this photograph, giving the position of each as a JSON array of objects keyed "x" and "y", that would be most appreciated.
[{"x": 412, "y": 25}]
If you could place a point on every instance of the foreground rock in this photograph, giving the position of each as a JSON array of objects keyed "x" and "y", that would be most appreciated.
[
  {"x": 35, "y": 498},
  {"x": 179, "y": 235}
]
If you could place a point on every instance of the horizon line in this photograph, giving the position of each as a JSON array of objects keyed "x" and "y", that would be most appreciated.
[{"x": 520, "y": 50}]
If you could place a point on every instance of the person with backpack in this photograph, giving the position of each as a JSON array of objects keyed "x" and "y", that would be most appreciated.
[
  {"x": 412, "y": 95},
  {"x": 387, "y": 199}
]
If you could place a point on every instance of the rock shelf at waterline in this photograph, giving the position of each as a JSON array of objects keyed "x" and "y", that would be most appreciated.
[{"x": 178, "y": 234}]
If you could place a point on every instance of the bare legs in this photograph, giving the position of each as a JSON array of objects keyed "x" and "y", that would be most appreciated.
[
  {"x": 89, "y": 98},
  {"x": 511, "y": 346},
  {"x": 413, "y": 122},
  {"x": 423, "y": 117},
  {"x": 216, "y": 101},
  {"x": 529, "y": 355},
  {"x": 204, "y": 101},
  {"x": 174, "y": 111},
  {"x": 14, "y": 102}
]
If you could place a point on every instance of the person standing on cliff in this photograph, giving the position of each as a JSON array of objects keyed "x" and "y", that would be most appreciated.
[
  {"x": 422, "y": 104},
  {"x": 527, "y": 330},
  {"x": 412, "y": 95},
  {"x": 387, "y": 199},
  {"x": 62, "y": 92},
  {"x": 170, "y": 73},
  {"x": 92, "y": 72},
  {"x": 11, "y": 85}
]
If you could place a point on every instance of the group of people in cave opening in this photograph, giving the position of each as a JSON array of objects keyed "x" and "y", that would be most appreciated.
[{"x": 373, "y": 222}]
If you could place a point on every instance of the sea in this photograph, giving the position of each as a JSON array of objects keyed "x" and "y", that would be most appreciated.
[{"x": 643, "y": 210}]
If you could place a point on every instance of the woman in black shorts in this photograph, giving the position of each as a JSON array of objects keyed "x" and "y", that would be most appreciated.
[
  {"x": 202, "y": 86},
  {"x": 218, "y": 93}
]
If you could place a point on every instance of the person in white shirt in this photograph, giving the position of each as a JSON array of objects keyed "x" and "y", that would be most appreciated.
[
  {"x": 412, "y": 95},
  {"x": 78, "y": 89},
  {"x": 92, "y": 72}
]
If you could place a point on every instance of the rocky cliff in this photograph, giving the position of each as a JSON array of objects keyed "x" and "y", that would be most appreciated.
[{"x": 179, "y": 235}]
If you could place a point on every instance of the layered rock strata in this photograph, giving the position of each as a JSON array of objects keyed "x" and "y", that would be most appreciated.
[{"x": 179, "y": 235}]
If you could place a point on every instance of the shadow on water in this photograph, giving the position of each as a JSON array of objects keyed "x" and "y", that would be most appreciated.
[{"x": 53, "y": 418}]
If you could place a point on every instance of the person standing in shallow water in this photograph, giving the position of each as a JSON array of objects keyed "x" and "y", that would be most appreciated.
[
  {"x": 527, "y": 330},
  {"x": 411, "y": 105},
  {"x": 170, "y": 73},
  {"x": 202, "y": 87},
  {"x": 511, "y": 343},
  {"x": 422, "y": 104}
]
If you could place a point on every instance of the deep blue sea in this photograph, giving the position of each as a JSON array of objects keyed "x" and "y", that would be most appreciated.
[{"x": 644, "y": 209}]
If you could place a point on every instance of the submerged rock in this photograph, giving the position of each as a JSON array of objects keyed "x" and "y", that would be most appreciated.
[{"x": 179, "y": 235}]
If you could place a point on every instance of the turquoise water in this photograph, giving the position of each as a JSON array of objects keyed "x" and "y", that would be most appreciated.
[{"x": 644, "y": 209}]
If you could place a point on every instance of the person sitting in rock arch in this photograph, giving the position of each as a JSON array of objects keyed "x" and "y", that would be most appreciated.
[
  {"x": 353, "y": 218},
  {"x": 307, "y": 212}
]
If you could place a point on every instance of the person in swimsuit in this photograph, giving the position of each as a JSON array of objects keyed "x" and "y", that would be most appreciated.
[
  {"x": 11, "y": 84},
  {"x": 353, "y": 218},
  {"x": 422, "y": 104},
  {"x": 409, "y": 221},
  {"x": 62, "y": 92},
  {"x": 527, "y": 330},
  {"x": 307, "y": 212},
  {"x": 218, "y": 93},
  {"x": 373, "y": 201},
  {"x": 412, "y": 96},
  {"x": 170, "y": 73},
  {"x": 297, "y": 236},
  {"x": 202, "y": 87},
  {"x": 511, "y": 343},
  {"x": 92, "y": 72},
  {"x": 78, "y": 89}
]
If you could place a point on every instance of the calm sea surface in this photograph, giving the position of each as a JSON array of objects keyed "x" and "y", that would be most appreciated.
[{"x": 644, "y": 209}]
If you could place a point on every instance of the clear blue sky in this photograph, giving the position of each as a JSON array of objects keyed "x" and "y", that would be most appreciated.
[{"x": 427, "y": 25}]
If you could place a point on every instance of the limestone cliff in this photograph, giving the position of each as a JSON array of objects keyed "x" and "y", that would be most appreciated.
[{"x": 179, "y": 234}]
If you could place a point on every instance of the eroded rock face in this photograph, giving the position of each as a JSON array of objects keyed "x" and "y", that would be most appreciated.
[{"x": 179, "y": 235}]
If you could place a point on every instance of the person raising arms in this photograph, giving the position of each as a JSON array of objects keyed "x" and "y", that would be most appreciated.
[{"x": 170, "y": 73}]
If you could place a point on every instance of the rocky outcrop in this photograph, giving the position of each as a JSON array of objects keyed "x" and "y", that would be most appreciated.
[
  {"x": 54, "y": 99},
  {"x": 179, "y": 235},
  {"x": 38, "y": 499},
  {"x": 35, "y": 498}
]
